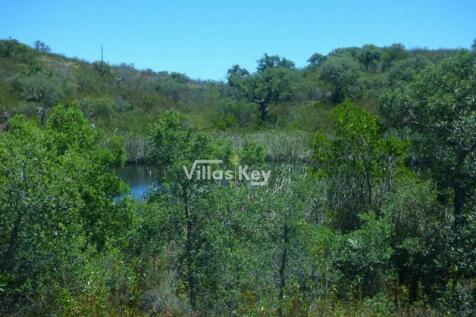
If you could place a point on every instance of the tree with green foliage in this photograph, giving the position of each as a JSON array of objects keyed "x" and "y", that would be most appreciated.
[
  {"x": 419, "y": 236},
  {"x": 175, "y": 147},
  {"x": 404, "y": 71},
  {"x": 392, "y": 54},
  {"x": 274, "y": 81},
  {"x": 440, "y": 111},
  {"x": 43, "y": 89},
  {"x": 41, "y": 47},
  {"x": 72, "y": 133},
  {"x": 57, "y": 199},
  {"x": 289, "y": 203},
  {"x": 316, "y": 59},
  {"x": 382, "y": 223},
  {"x": 369, "y": 56},
  {"x": 40, "y": 215},
  {"x": 358, "y": 161},
  {"x": 16, "y": 51},
  {"x": 341, "y": 72},
  {"x": 273, "y": 61},
  {"x": 103, "y": 68},
  {"x": 364, "y": 257}
]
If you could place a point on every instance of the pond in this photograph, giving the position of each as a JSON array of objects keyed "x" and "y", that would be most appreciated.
[{"x": 140, "y": 178}]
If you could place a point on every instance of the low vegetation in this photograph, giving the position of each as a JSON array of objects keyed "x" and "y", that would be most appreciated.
[{"x": 370, "y": 209}]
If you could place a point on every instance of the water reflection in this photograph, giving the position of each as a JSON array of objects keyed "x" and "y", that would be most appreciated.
[{"x": 140, "y": 178}]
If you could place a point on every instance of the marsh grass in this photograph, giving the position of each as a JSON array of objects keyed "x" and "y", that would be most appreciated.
[{"x": 279, "y": 146}]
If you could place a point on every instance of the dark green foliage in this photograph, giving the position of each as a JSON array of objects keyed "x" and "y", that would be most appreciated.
[
  {"x": 419, "y": 233},
  {"x": 175, "y": 147},
  {"x": 438, "y": 112},
  {"x": 363, "y": 257},
  {"x": 392, "y": 54},
  {"x": 316, "y": 59},
  {"x": 274, "y": 81},
  {"x": 273, "y": 61},
  {"x": 405, "y": 70},
  {"x": 359, "y": 163},
  {"x": 56, "y": 201},
  {"x": 369, "y": 56},
  {"x": 41, "y": 47},
  {"x": 119, "y": 96},
  {"x": 440, "y": 109},
  {"x": 18, "y": 52},
  {"x": 341, "y": 72},
  {"x": 373, "y": 217},
  {"x": 43, "y": 89},
  {"x": 233, "y": 115}
]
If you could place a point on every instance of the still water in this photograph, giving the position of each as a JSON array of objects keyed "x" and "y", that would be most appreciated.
[{"x": 140, "y": 178}]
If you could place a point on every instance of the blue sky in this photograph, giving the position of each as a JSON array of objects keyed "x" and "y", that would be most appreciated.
[{"x": 204, "y": 38}]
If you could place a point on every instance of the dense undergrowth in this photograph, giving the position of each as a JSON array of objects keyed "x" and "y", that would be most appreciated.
[{"x": 369, "y": 211}]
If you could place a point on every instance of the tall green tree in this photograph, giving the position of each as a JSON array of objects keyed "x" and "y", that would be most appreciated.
[
  {"x": 175, "y": 147},
  {"x": 341, "y": 72},
  {"x": 316, "y": 59},
  {"x": 439, "y": 111},
  {"x": 369, "y": 56},
  {"x": 419, "y": 235},
  {"x": 273, "y": 61},
  {"x": 391, "y": 54},
  {"x": 57, "y": 206},
  {"x": 72, "y": 133},
  {"x": 40, "y": 215},
  {"x": 359, "y": 163},
  {"x": 274, "y": 81}
]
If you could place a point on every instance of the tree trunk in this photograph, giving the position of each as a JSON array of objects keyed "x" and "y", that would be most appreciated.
[
  {"x": 188, "y": 249},
  {"x": 369, "y": 189},
  {"x": 263, "y": 108},
  {"x": 42, "y": 115},
  {"x": 337, "y": 95},
  {"x": 459, "y": 194},
  {"x": 282, "y": 268},
  {"x": 459, "y": 197}
]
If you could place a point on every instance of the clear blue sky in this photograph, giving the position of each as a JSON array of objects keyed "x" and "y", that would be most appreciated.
[{"x": 204, "y": 38}]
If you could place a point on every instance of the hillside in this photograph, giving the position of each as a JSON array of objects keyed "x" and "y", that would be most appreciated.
[
  {"x": 116, "y": 96},
  {"x": 32, "y": 80}
]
